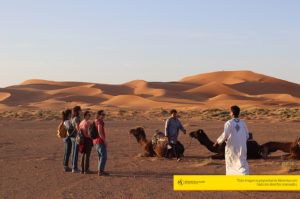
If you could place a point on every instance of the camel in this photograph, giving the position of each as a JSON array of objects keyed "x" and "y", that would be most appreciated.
[
  {"x": 253, "y": 148},
  {"x": 158, "y": 146},
  {"x": 292, "y": 148}
]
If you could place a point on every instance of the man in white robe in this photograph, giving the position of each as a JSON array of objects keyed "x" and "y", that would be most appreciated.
[{"x": 235, "y": 135}]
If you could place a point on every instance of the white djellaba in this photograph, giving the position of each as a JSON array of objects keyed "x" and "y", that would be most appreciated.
[{"x": 235, "y": 135}]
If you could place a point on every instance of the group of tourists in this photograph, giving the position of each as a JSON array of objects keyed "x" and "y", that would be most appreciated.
[{"x": 78, "y": 139}]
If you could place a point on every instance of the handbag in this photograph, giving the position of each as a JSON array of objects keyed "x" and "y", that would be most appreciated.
[{"x": 79, "y": 138}]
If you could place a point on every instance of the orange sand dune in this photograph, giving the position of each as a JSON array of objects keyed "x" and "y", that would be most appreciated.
[
  {"x": 49, "y": 103},
  {"x": 47, "y": 82},
  {"x": 141, "y": 87},
  {"x": 67, "y": 102},
  {"x": 216, "y": 89},
  {"x": 176, "y": 90},
  {"x": 224, "y": 97},
  {"x": 282, "y": 97},
  {"x": 83, "y": 99},
  {"x": 4, "y": 95},
  {"x": 86, "y": 90},
  {"x": 134, "y": 102},
  {"x": 179, "y": 101},
  {"x": 20, "y": 97},
  {"x": 226, "y": 77},
  {"x": 114, "y": 90},
  {"x": 260, "y": 88}
]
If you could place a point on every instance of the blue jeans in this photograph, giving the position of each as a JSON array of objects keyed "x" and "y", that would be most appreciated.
[
  {"x": 75, "y": 149},
  {"x": 102, "y": 154},
  {"x": 68, "y": 149}
]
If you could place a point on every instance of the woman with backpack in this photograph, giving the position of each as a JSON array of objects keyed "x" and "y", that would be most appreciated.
[
  {"x": 75, "y": 147},
  {"x": 100, "y": 143},
  {"x": 87, "y": 145},
  {"x": 66, "y": 121}
]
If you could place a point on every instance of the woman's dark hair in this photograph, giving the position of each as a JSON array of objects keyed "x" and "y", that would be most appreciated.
[
  {"x": 173, "y": 111},
  {"x": 235, "y": 110},
  {"x": 66, "y": 114},
  {"x": 76, "y": 111},
  {"x": 99, "y": 113},
  {"x": 86, "y": 113}
]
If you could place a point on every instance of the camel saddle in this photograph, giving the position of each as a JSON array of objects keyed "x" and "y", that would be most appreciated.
[{"x": 159, "y": 140}]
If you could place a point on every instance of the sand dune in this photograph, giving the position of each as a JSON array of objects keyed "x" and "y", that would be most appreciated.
[
  {"x": 49, "y": 103},
  {"x": 86, "y": 90},
  {"x": 4, "y": 96},
  {"x": 53, "y": 83},
  {"x": 223, "y": 97},
  {"x": 282, "y": 97},
  {"x": 258, "y": 88},
  {"x": 141, "y": 87},
  {"x": 133, "y": 101},
  {"x": 216, "y": 89},
  {"x": 23, "y": 97},
  {"x": 228, "y": 77},
  {"x": 114, "y": 90}
]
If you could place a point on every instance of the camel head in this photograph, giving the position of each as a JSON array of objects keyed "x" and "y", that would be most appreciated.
[
  {"x": 199, "y": 135},
  {"x": 138, "y": 133},
  {"x": 195, "y": 134}
]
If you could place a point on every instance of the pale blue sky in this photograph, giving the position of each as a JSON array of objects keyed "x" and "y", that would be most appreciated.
[{"x": 156, "y": 40}]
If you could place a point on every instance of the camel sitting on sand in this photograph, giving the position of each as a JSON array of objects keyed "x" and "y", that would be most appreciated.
[
  {"x": 158, "y": 146},
  {"x": 253, "y": 148},
  {"x": 292, "y": 148}
]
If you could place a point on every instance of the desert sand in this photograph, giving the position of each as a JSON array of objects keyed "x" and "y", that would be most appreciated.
[
  {"x": 31, "y": 162},
  {"x": 31, "y": 154},
  {"x": 217, "y": 90}
]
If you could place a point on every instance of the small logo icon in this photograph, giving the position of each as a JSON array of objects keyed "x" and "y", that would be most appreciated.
[{"x": 180, "y": 182}]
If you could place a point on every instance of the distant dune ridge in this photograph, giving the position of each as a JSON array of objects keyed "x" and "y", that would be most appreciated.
[{"x": 216, "y": 89}]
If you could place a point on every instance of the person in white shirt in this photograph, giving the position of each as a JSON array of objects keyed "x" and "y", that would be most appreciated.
[
  {"x": 66, "y": 119},
  {"x": 235, "y": 135}
]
